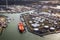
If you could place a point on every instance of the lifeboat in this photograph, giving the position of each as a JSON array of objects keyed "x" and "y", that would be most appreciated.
[{"x": 21, "y": 27}]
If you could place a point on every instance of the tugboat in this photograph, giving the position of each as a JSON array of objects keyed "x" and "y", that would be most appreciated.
[{"x": 21, "y": 27}]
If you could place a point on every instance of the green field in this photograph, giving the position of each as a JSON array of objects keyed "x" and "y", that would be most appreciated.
[{"x": 12, "y": 33}]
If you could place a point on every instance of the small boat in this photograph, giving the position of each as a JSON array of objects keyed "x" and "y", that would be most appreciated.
[{"x": 21, "y": 27}]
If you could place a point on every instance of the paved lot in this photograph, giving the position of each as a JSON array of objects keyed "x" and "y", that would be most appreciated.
[{"x": 12, "y": 33}]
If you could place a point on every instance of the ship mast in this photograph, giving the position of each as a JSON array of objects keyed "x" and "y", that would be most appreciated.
[{"x": 6, "y": 3}]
